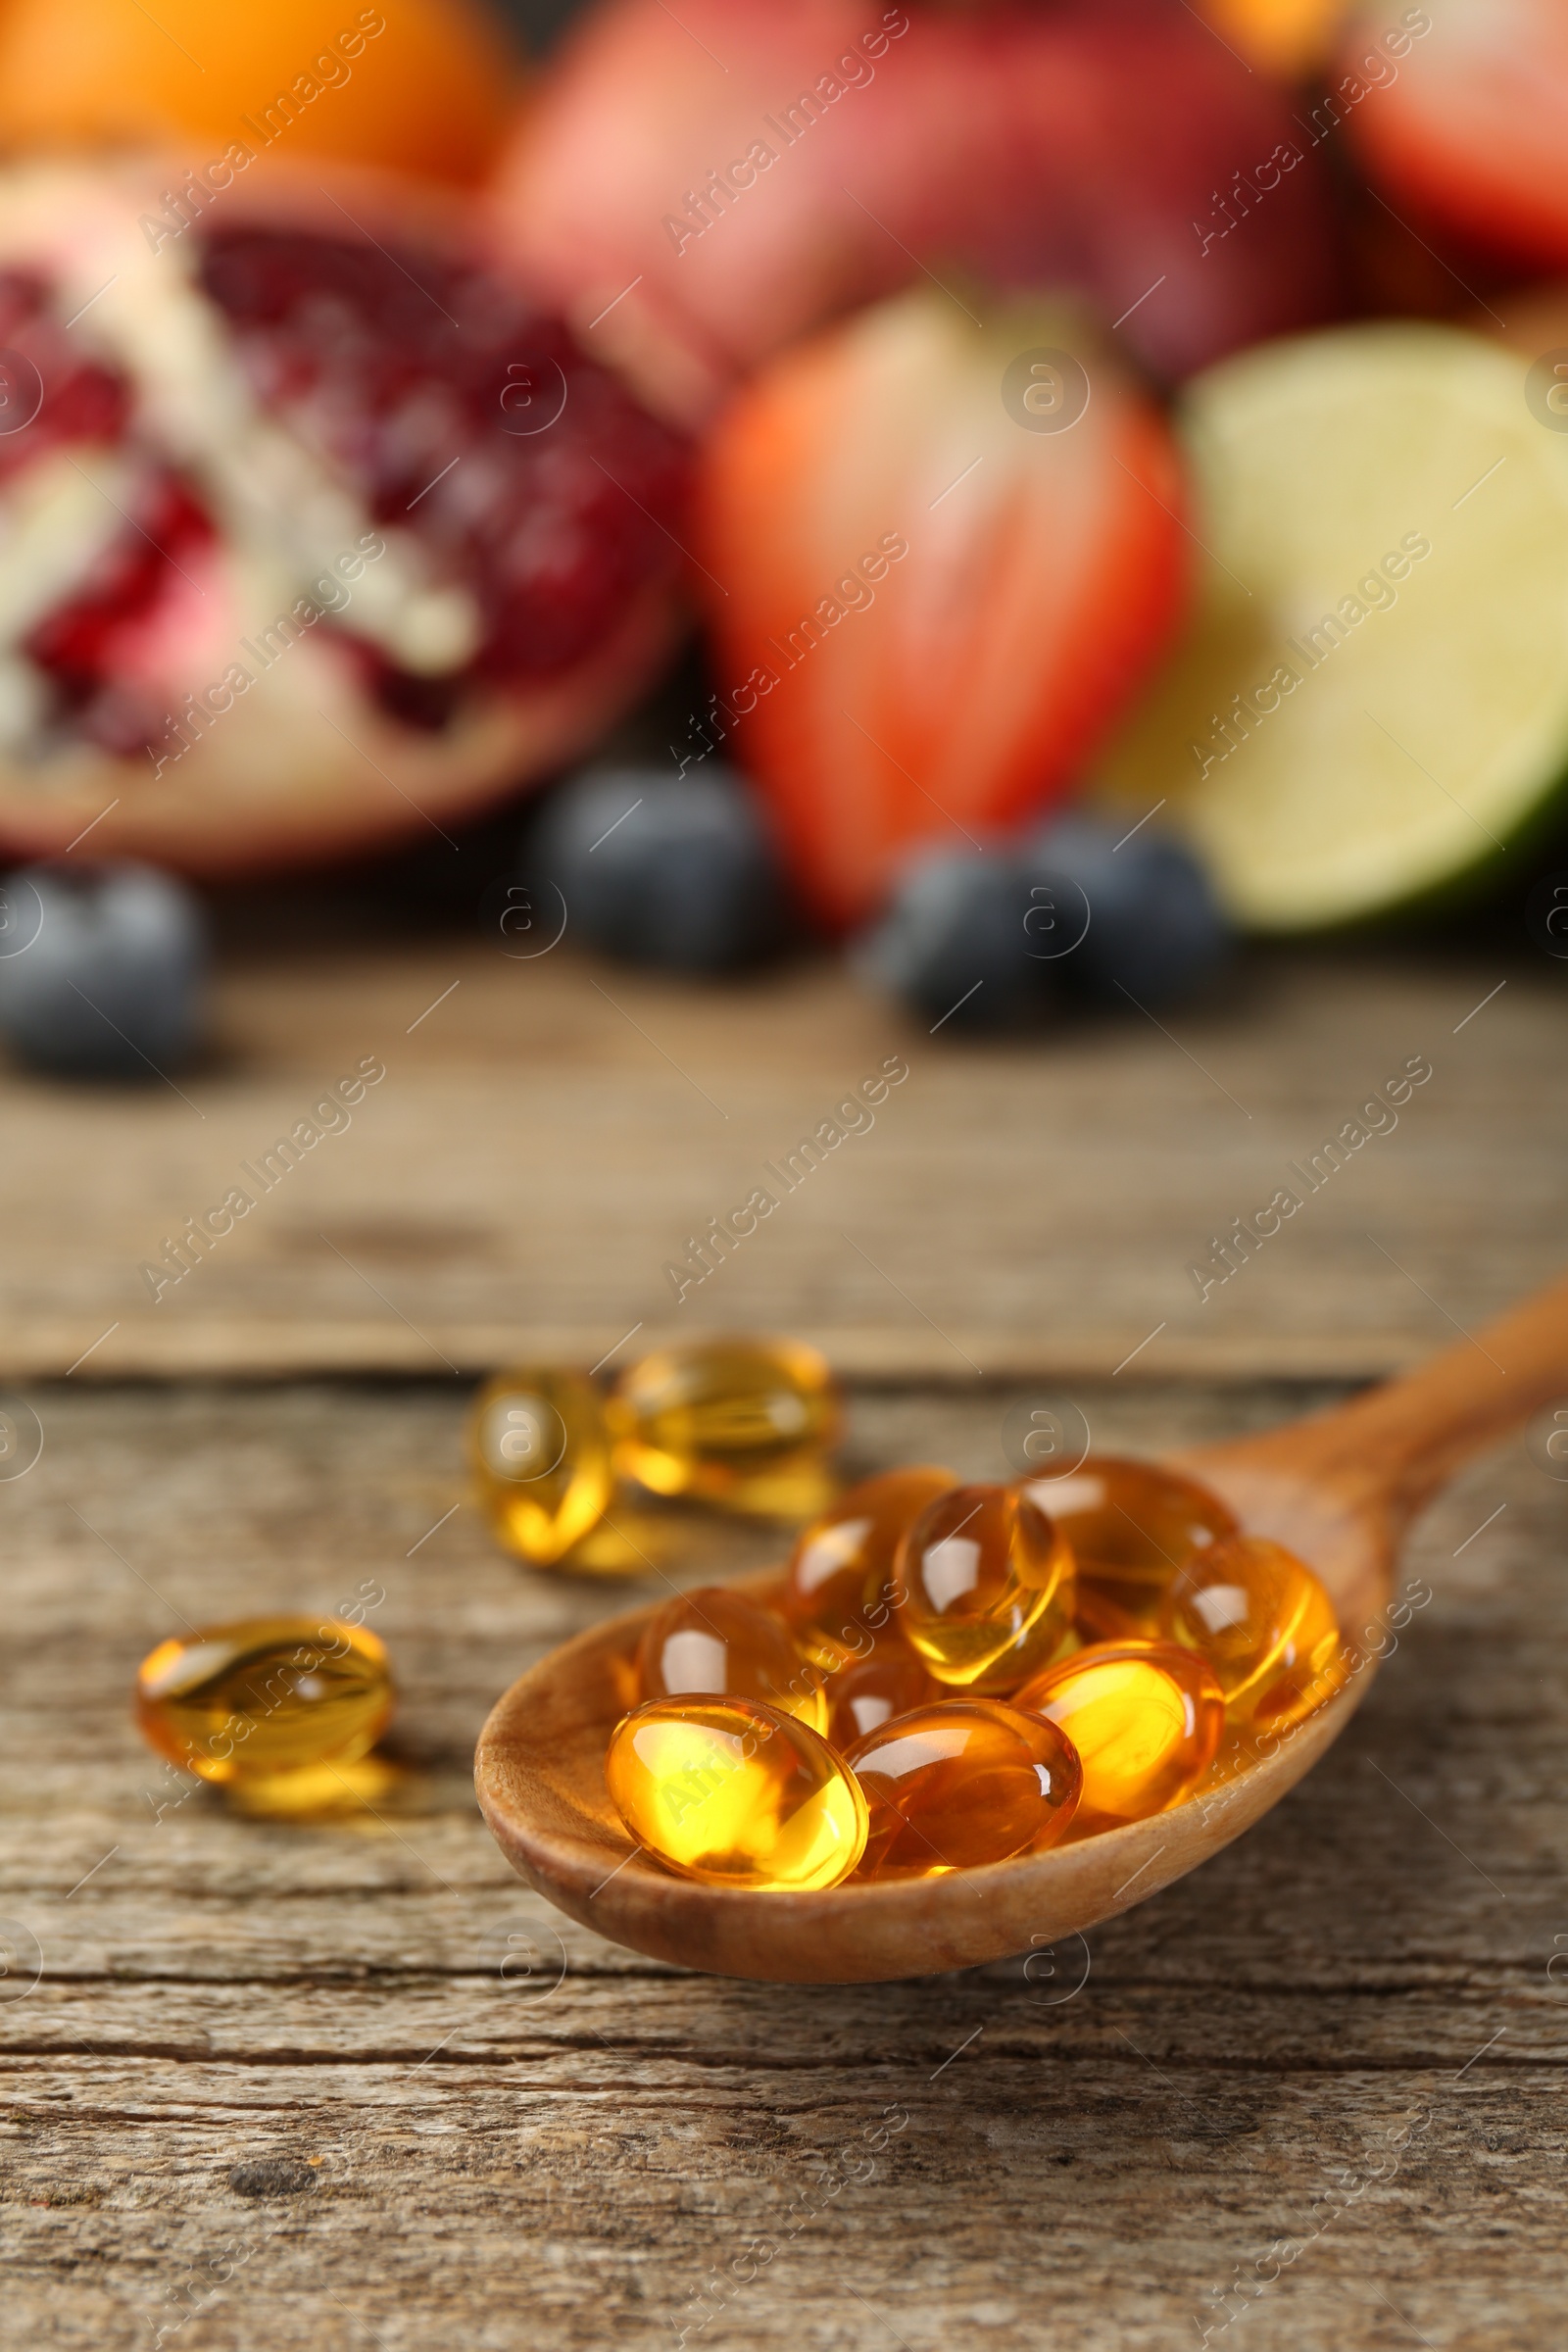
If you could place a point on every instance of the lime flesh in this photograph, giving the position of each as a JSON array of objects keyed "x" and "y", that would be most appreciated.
[{"x": 1353, "y": 723}]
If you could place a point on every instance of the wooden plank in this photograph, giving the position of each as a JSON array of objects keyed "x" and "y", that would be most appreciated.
[
  {"x": 1329, "y": 2064},
  {"x": 548, "y": 1134}
]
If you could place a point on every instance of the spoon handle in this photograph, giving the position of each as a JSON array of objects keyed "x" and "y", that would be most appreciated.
[{"x": 1408, "y": 1436}]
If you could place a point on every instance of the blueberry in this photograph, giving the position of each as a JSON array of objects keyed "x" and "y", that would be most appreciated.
[
  {"x": 961, "y": 944},
  {"x": 101, "y": 969},
  {"x": 659, "y": 869},
  {"x": 1156, "y": 929}
]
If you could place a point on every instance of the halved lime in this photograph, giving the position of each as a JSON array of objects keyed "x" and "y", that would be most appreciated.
[{"x": 1372, "y": 700}]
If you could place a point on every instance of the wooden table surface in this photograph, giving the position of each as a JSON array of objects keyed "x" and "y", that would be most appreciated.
[{"x": 349, "y": 2082}]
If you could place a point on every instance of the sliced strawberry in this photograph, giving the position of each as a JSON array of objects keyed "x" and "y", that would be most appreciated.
[
  {"x": 1466, "y": 122},
  {"x": 932, "y": 594}
]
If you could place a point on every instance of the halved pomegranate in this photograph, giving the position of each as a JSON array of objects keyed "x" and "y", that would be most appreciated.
[{"x": 312, "y": 529}]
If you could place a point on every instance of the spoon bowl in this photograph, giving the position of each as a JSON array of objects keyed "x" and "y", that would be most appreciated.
[{"x": 1339, "y": 1488}]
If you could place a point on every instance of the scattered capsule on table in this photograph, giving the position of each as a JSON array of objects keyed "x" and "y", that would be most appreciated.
[
  {"x": 1265, "y": 1625},
  {"x": 711, "y": 1641},
  {"x": 540, "y": 1450},
  {"x": 1132, "y": 1525},
  {"x": 984, "y": 1588},
  {"x": 1146, "y": 1718},
  {"x": 737, "y": 1794},
  {"x": 745, "y": 1424},
  {"x": 269, "y": 1696},
  {"x": 963, "y": 1783},
  {"x": 839, "y": 1584},
  {"x": 861, "y": 1695}
]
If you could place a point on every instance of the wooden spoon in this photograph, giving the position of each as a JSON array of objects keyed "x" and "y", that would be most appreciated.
[{"x": 1339, "y": 1488}]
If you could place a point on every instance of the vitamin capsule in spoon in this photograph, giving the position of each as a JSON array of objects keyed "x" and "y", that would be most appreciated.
[
  {"x": 1146, "y": 1718},
  {"x": 1132, "y": 1525},
  {"x": 888, "y": 1682},
  {"x": 965, "y": 1782},
  {"x": 737, "y": 1794},
  {"x": 839, "y": 1584},
  {"x": 1265, "y": 1625},
  {"x": 984, "y": 1588},
  {"x": 714, "y": 1643}
]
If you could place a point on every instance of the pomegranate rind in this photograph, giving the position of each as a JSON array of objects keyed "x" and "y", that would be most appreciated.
[{"x": 278, "y": 784}]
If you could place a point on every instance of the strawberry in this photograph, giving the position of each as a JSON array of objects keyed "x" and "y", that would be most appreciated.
[
  {"x": 1460, "y": 108},
  {"x": 935, "y": 578},
  {"x": 695, "y": 188}
]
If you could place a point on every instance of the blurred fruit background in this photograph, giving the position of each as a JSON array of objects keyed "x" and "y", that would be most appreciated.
[
  {"x": 891, "y": 672},
  {"x": 1026, "y": 495}
]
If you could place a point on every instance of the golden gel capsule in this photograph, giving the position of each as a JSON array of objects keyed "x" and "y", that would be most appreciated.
[
  {"x": 1146, "y": 1718},
  {"x": 838, "y": 1592},
  {"x": 736, "y": 1794},
  {"x": 984, "y": 1588},
  {"x": 1132, "y": 1525},
  {"x": 1265, "y": 1625},
  {"x": 888, "y": 1680},
  {"x": 540, "y": 1450},
  {"x": 246, "y": 1703},
  {"x": 741, "y": 1423},
  {"x": 965, "y": 1782},
  {"x": 716, "y": 1643}
]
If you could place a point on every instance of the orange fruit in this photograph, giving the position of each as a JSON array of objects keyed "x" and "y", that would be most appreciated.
[
  {"x": 426, "y": 86},
  {"x": 1290, "y": 37}
]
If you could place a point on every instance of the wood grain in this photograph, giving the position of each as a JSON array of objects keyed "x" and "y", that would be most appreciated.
[
  {"x": 1345, "y": 2033},
  {"x": 548, "y": 1133}
]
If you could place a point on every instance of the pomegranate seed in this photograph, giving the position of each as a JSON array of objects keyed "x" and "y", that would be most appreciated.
[
  {"x": 75, "y": 644},
  {"x": 395, "y": 366}
]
